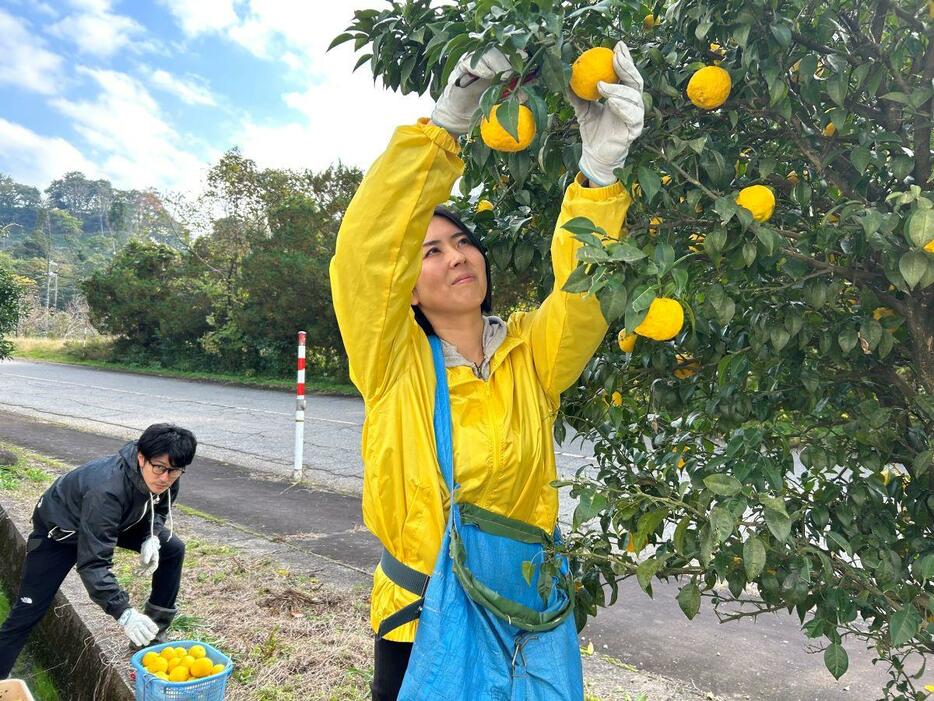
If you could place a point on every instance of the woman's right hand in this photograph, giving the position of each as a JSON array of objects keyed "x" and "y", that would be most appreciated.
[{"x": 461, "y": 96}]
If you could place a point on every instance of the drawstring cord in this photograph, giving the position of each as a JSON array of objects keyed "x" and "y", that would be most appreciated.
[{"x": 152, "y": 514}]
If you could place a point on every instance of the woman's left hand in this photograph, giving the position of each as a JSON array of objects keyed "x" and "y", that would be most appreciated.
[{"x": 608, "y": 129}]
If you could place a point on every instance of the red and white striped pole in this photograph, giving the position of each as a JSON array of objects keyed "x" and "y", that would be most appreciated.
[{"x": 299, "y": 410}]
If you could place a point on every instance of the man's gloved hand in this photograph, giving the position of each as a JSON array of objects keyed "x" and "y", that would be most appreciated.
[
  {"x": 608, "y": 129},
  {"x": 461, "y": 96},
  {"x": 139, "y": 629},
  {"x": 149, "y": 555}
]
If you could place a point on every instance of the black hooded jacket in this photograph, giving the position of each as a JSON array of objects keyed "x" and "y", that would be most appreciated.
[{"x": 90, "y": 507}]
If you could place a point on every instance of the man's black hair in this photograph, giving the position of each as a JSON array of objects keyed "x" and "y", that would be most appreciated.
[
  {"x": 168, "y": 439},
  {"x": 486, "y": 306}
]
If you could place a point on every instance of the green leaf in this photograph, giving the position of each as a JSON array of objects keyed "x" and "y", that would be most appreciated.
[
  {"x": 644, "y": 573},
  {"x": 721, "y": 523},
  {"x": 582, "y": 225},
  {"x": 650, "y": 183},
  {"x": 689, "y": 600},
  {"x": 926, "y": 568},
  {"x": 913, "y": 266},
  {"x": 841, "y": 542},
  {"x": 507, "y": 114},
  {"x": 528, "y": 571},
  {"x": 904, "y": 624},
  {"x": 782, "y": 34},
  {"x": 724, "y": 307},
  {"x": 724, "y": 485},
  {"x": 860, "y": 157},
  {"x": 753, "y": 557},
  {"x": 339, "y": 39},
  {"x": 836, "y": 660},
  {"x": 773, "y": 504},
  {"x": 578, "y": 281},
  {"x": 613, "y": 303},
  {"x": 779, "y": 524},
  {"x": 920, "y": 227},
  {"x": 847, "y": 339},
  {"x": 680, "y": 535},
  {"x": 625, "y": 252}
]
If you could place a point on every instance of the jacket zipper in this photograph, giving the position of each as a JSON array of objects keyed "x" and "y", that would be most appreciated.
[{"x": 494, "y": 428}]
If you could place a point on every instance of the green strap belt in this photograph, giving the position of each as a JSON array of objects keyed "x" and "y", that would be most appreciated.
[{"x": 409, "y": 579}]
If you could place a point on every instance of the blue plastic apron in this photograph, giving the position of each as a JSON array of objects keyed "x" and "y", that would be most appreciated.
[{"x": 485, "y": 631}]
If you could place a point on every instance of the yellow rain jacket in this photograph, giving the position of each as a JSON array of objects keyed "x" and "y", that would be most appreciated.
[{"x": 502, "y": 428}]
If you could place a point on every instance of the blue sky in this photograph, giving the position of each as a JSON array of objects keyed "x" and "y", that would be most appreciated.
[{"x": 149, "y": 93}]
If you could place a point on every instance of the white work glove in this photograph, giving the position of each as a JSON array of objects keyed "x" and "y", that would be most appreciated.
[
  {"x": 149, "y": 555},
  {"x": 139, "y": 628},
  {"x": 461, "y": 96},
  {"x": 608, "y": 129}
]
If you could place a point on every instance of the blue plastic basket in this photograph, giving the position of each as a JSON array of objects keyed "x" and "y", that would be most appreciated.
[{"x": 151, "y": 688}]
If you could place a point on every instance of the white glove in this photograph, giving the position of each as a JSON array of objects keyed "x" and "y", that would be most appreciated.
[
  {"x": 461, "y": 96},
  {"x": 139, "y": 628},
  {"x": 149, "y": 555},
  {"x": 608, "y": 129}
]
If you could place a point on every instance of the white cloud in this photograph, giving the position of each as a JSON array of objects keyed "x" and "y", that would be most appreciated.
[
  {"x": 95, "y": 30},
  {"x": 24, "y": 60},
  {"x": 340, "y": 115},
  {"x": 134, "y": 145},
  {"x": 36, "y": 160},
  {"x": 345, "y": 118},
  {"x": 202, "y": 16},
  {"x": 192, "y": 90}
]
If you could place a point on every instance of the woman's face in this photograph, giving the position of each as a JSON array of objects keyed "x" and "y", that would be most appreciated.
[{"x": 453, "y": 278}]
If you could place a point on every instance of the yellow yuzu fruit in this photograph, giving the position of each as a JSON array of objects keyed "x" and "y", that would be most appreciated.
[
  {"x": 218, "y": 668},
  {"x": 483, "y": 206},
  {"x": 174, "y": 662},
  {"x": 179, "y": 674},
  {"x": 149, "y": 657},
  {"x": 187, "y": 661},
  {"x": 616, "y": 399},
  {"x": 654, "y": 223},
  {"x": 167, "y": 652},
  {"x": 497, "y": 138},
  {"x": 759, "y": 200},
  {"x": 197, "y": 651},
  {"x": 163, "y": 676},
  {"x": 626, "y": 341},
  {"x": 929, "y": 246},
  {"x": 709, "y": 87},
  {"x": 697, "y": 240},
  {"x": 664, "y": 320},
  {"x": 590, "y": 68},
  {"x": 651, "y": 21},
  {"x": 829, "y": 130},
  {"x": 666, "y": 179},
  {"x": 201, "y": 668},
  {"x": 159, "y": 664}
]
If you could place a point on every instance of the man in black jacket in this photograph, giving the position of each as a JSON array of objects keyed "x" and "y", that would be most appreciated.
[{"x": 120, "y": 500}]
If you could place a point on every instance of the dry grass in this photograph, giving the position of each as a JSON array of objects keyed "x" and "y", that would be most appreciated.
[{"x": 290, "y": 637}]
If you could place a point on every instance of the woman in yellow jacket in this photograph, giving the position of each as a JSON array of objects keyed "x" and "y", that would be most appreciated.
[{"x": 404, "y": 268}]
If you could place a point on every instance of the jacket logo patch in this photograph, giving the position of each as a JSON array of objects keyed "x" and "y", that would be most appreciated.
[{"x": 26, "y": 600}]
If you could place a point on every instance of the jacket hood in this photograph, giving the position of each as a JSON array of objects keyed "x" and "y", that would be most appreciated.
[{"x": 129, "y": 454}]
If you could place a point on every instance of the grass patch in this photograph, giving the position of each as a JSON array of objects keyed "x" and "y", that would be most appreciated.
[
  {"x": 30, "y": 474},
  {"x": 97, "y": 353},
  {"x": 27, "y": 667}
]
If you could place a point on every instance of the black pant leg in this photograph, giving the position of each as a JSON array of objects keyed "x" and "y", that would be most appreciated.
[
  {"x": 391, "y": 659},
  {"x": 46, "y": 565},
  {"x": 168, "y": 576}
]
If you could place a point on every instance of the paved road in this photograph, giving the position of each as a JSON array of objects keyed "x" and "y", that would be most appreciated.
[{"x": 252, "y": 428}]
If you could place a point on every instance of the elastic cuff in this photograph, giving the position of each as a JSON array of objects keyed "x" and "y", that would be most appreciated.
[
  {"x": 579, "y": 190},
  {"x": 438, "y": 134}
]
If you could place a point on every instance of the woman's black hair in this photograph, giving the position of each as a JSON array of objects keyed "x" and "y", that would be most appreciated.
[
  {"x": 486, "y": 306},
  {"x": 167, "y": 439}
]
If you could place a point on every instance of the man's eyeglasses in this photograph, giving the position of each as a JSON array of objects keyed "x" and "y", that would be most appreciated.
[{"x": 162, "y": 469}]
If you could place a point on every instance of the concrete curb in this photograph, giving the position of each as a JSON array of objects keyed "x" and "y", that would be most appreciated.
[{"x": 77, "y": 640}]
